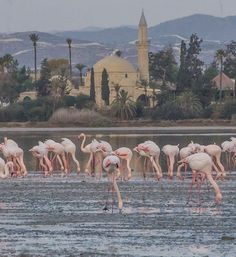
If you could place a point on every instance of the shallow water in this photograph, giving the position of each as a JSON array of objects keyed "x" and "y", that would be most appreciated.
[{"x": 64, "y": 216}]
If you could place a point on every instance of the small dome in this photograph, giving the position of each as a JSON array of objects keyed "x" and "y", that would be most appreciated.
[{"x": 114, "y": 64}]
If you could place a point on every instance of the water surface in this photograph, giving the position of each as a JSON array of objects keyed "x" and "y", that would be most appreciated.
[{"x": 64, "y": 217}]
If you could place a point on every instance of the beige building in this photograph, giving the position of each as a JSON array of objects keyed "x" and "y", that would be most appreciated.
[{"x": 121, "y": 72}]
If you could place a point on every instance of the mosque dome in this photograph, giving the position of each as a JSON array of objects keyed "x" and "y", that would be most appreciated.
[{"x": 114, "y": 64}]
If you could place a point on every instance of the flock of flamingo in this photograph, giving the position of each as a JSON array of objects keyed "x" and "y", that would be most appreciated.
[{"x": 51, "y": 156}]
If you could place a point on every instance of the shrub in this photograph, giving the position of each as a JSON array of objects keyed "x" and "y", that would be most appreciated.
[
  {"x": 37, "y": 114},
  {"x": 228, "y": 109},
  {"x": 168, "y": 111},
  {"x": 80, "y": 117},
  {"x": 83, "y": 102},
  {"x": 139, "y": 109},
  {"x": 69, "y": 100}
]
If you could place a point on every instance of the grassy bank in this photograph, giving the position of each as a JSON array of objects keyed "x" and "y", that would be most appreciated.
[{"x": 133, "y": 123}]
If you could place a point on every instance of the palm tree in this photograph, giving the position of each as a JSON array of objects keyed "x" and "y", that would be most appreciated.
[
  {"x": 80, "y": 67},
  {"x": 35, "y": 38},
  {"x": 189, "y": 104},
  {"x": 117, "y": 88},
  {"x": 123, "y": 107},
  {"x": 6, "y": 61},
  {"x": 69, "y": 42},
  {"x": 220, "y": 55}
]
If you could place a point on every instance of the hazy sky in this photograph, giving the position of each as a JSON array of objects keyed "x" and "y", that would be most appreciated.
[{"x": 48, "y": 15}]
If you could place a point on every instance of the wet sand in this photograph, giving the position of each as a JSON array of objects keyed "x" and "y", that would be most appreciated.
[{"x": 64, "y": 217}]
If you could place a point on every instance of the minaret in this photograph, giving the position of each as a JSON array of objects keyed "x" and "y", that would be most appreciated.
[{"x": 143, "y": 48}]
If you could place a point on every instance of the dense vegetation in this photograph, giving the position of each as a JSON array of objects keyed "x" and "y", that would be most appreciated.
[{"x": 174, "y": 91}]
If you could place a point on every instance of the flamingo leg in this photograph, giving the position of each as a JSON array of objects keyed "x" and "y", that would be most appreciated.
[
  {"x": 63, "y": 157},
  {"x": 129, "y": 169}
]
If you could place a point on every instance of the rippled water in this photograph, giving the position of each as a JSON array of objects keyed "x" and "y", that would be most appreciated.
[{"x": 64, "y": 217}]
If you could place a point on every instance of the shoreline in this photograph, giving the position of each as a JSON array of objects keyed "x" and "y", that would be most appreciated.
[{"x": 127, "y": 130}]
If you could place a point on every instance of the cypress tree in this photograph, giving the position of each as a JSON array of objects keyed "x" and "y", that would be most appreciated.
[
  {"x": 92, "y": 87},
  {"x": 105, "y": 87},
  {"x": 43, "y": 85}
]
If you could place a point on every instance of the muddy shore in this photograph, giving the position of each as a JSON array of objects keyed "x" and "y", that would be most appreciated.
[{"x": 64, "y": 217}]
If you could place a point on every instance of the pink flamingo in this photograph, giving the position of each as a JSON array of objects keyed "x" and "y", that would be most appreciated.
[
  {"x": 201, "y": 163},
  {"x": 5, "y": 169},
  {"x": 215, "y": 152},
  {"x": 59, "y": 151},
  {"x": 184, "y": 153},
  {"x": 150, "y": 150},
  {"x": 126, "y": 154},
  {"x": 70, "y": 149},
  {"x": 111, "y": 165},
  {"x": 88, "y": 149},
  {"x": 171, "y": 151},
  {"x": 12, "y": 152},
  {"x": 41, "y": 153}
]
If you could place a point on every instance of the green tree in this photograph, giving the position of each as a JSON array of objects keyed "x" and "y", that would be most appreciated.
[
  {"x": 60, "y": 85},
  {"x": 123, "y": 107},
  {"x": 105, "y": 90},
  {"x": 56, "y": 65},
  {"x": 80, "y": 67},
  {"x": 183, "y": 73},
  {"x": 163, "y": 66},
  {"x": 34, "y": 38},
  {"x": 230, "y": 62},
  {"x": 43, "y": 86},
  {"x": 154, "y": 86},
  {"x": 145, "y": 85},
  {"x": 208, "y": 88},
  {"x": 92, "y": 87},
  {"x": 8, "y": 64},
  {"x": 23, "y": 79},
  {"x": 69, "y": 42},
  {"x": 220, "y": 55},
  {"x": 8, "y": 89},
  {"x": 191, "y": 67}
]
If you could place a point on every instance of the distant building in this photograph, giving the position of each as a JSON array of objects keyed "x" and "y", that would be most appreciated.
[
  {"x": 121, "y": 72},
  {"x": 228, "y": 84}
]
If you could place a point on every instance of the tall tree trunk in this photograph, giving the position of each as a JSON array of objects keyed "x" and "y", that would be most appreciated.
[
  {"x": 221, "y": 73},
  {"x": 35, "y": 63},
  {"x": 70, "y": 62},
  {"x": 81, "y": 78}
]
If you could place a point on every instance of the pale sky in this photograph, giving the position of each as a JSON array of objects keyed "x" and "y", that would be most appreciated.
[{"x": 51, "y": 15}]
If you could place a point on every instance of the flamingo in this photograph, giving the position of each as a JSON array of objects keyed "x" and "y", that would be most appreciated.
[
  {"x": 5, "y": 169},
  {"x": 111, "y": 165},
  {"x": 59, "y": 151},
  {"x": 89, "y": 149},
  {"x": 229, "y": 148},
  {"x": 150, "y": 150},
  {"x": 184, "y": 153},
  {"x": 70, "y": 149},
  {"x": 12, "y": 152},
  {"x": 215, "y": 152},
  {"x": 40, "y": 151},
  {"x": 126, "y": 154},
  {"x": 171, "y": 151},
  {"x": 201, "y": 163}
]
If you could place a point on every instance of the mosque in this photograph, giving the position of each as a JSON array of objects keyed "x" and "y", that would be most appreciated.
[{"x": 121, "y": 72}]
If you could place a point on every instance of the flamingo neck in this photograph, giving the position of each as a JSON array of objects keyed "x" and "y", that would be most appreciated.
[
  {"x": 214, "y": 184},
  {"x": 82, "y": 144}
]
